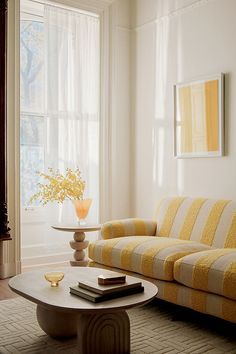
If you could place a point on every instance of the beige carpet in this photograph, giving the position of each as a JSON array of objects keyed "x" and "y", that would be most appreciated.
[{"x": 156, "y": 328}]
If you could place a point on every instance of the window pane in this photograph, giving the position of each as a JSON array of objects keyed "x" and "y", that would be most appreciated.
[
  {"x": 32, "y": 155},
  {"x": 32, "y": 130},
  {"x": 32, "y": 160},
  {"x": 32, "y": 73}
]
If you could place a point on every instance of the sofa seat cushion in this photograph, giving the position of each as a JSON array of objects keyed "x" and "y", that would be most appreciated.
[
  {"x": 147, "y": 255},
  {"x": 212, "y": 271}
]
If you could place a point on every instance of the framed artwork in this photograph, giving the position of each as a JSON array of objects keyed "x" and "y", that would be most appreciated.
[{"x": 199, "y": 117}]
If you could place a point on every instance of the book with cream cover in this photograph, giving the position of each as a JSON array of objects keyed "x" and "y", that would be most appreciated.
[{"x": 111, "y": 278}]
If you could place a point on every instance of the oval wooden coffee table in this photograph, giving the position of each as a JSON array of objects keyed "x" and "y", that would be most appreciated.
[{"x": 101, "y": 327}]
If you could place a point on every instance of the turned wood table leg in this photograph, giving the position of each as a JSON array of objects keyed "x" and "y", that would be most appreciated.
[
  {"x": 107, "y": 333},
  {"x": 79, "y": 245}
]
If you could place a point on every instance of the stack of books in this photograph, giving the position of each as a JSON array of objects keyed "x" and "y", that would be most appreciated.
[{"x": 107, "y": 287}]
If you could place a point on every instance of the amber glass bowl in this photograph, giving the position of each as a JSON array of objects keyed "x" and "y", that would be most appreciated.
[{"x": 54, "y": 278}]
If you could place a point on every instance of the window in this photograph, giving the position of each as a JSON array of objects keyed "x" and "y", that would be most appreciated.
[
  {"x": 60, "y": 117},
  {"x": 32, "y": 127}
]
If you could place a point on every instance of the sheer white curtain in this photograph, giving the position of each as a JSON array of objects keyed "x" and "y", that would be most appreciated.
[{"x": 72, "y": 99}]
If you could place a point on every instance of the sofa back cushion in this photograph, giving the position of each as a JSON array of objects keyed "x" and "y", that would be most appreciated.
[{"x": 212, "y": 222}]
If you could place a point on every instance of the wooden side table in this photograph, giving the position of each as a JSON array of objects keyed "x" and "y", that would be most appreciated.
[{"x": 79, "y": 244}]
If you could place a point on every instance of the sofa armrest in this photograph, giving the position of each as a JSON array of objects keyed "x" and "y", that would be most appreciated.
[{"x": 128, "y": 227}]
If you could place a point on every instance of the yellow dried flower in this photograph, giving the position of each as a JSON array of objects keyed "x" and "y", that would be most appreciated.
[{"x": 59, "y": 187}]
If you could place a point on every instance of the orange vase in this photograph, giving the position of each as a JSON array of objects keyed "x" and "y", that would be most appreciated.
[{"x": 82, "y": 208}]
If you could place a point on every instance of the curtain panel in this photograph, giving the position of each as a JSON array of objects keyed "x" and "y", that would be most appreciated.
[{"x": 72, "y": 63}]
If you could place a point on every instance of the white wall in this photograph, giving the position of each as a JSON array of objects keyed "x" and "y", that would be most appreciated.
[{"x": 174, "y": 41}]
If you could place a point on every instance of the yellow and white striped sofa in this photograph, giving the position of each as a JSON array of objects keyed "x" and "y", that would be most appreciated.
[{"x": 189, "y": 252}]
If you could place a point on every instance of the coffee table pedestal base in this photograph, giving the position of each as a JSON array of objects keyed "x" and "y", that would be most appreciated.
[
  {"x": 107, "y": 333},
  {"x": 57, "y": 324}
]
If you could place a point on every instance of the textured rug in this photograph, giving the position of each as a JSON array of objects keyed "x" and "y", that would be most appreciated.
[{"x": 158, "y": 327}]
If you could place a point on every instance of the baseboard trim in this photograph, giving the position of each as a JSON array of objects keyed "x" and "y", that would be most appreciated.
[
  {"x": 45, "y": 265},
  {"x": 45, "y": 260}
]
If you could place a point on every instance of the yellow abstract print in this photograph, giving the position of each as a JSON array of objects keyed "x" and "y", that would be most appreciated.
[{"x": 198, "y": 118}]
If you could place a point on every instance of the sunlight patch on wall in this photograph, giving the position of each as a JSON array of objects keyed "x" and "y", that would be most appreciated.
[
  {"x": 159, "y": 134},
  {"x": 162, "y": 32}
]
